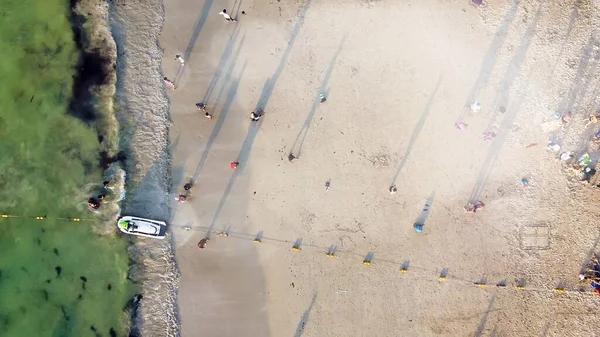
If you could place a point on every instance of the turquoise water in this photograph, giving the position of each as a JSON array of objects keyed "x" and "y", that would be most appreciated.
[{"x": 46, "y": 157}]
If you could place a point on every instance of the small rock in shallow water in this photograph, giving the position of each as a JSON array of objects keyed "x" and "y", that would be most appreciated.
[
  {"x": 112, "y": 332},
  {"x": 109, "y": 287},
  {"x": 58, "y": 270}
]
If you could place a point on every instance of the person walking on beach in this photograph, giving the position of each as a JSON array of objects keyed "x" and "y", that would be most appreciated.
[
  {"x": 180, "y": 59},
  {"x": 254, "y": 116},
  {"x": 234, "y": 165},
  {"x": 169, "y": 82},
  {"x": 227, "y": 16}
]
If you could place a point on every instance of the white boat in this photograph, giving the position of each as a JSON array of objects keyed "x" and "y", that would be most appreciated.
[{"x": 142, "y": 227}]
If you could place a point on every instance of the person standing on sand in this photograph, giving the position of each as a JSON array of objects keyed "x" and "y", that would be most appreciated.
[
  {"x": 180, "y": 59},
  {"x": 227, "y": 16},
  {"x": 169, "y": 82}
]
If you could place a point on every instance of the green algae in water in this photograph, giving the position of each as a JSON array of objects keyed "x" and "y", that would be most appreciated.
[{"x": 54, "y": 275}]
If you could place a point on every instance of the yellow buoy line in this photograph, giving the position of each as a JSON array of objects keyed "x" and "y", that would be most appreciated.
[
  {"x": 44, "y": 217},
  {"x": 405, "y": 267}
]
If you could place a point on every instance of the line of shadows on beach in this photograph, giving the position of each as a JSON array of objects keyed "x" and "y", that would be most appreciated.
[
  {"x": 494, "y": 151},
  {"x": 416, "y": 131},
  {"x": 253, "y": 128},
  {"x": 296, "y": 148},
  {"x": 224, "y": 111},
  {"x": 491, "y": 56}
]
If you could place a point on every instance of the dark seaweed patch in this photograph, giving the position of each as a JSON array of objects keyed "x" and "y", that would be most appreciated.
[
  {"x": 106, "y": 160},
  {"x": 131, "y": 309},
  {"x": 93, "y": 328},
  {"x": 58, "y": 270},
  {"x": 109, "y": 287},
  {"x": 112, "y": 332},
  {"x": 55, "y": 251},
  {"x": 45, "y": 294},
  {"x": 91, "y": 73},
  {"x": 83, "y": 278},
  {"x": 38, "y": 241},
  {"x": 64, "y": 312},
  {"x": 48, "y": 281}
]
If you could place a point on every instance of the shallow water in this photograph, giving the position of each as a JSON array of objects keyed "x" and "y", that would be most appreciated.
[{"x": 46, "y": 157}]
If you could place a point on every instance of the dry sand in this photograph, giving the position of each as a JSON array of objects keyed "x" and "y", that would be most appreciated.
[{"x": 397, "y": 75}]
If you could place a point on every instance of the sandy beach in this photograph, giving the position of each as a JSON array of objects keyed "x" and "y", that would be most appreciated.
[{"x": 398, "y": 76}]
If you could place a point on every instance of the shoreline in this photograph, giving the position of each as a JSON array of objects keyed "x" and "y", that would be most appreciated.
[{"x": 142, "y": 109}]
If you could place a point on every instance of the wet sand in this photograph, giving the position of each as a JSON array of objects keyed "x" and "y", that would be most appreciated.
[{"x": 397, "y": 77}]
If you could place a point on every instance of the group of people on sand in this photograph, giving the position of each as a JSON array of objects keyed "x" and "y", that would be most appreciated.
[{"x": 254, "y": 115}]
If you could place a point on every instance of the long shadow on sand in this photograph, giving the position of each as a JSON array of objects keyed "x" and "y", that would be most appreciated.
[
  {"x": 511, "y": 111},
  {"x": 514, "y": 69},
  {"x": 304, "y": 318},
  {"x": 255, "y": 126},
  {"x": 563, "y": 47},
  {"x": 222, "y": 62},
  {"x": 489, "y": 60},
  {"x": 590, "y": 255},
  {"x": 416, "y": 131},
  {"x": 296, "y": 148},
  {"x": 272, "y": 81},
  {"x": 194, "y": 38},
  {"x": 426, "y": 210},
  {"x": 586, "y": 73},
  {"x": 198, "y": 28},
  {"x": 494, "y": 151},
  {"x": 481, "y": 328},
  {"x": 224, "y": 111}
]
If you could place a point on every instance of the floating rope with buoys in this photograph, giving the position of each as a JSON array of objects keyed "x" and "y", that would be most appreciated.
[{"x": 44, "y": 217}]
